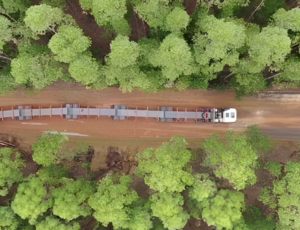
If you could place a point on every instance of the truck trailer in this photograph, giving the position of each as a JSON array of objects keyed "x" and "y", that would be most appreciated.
[{"x": 120, "y": 112}]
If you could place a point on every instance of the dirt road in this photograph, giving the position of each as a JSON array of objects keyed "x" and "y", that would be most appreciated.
[{"x": 278, "y": 119}]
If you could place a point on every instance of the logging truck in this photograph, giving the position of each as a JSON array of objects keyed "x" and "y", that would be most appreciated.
[{"x": 120, "y": 112}]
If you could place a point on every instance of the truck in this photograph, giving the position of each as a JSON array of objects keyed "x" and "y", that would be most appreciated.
[{"x": 120, "y": 112}]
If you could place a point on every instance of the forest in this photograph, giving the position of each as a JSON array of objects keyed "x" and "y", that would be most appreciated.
[
  {"x": 240, "y": 44},
  {"x": 210, "y": 184}
]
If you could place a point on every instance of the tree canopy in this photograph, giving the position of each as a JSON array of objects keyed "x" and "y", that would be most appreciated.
[
  {"x": 285, "y": 196},
  {"x": 68, "y": 43},
  {"x": 70, "y": 199},
  {"x": 115, "y": 202},
  {"x": 46, "y": 147},
  {"x": 40, "y": 18},
  {"x": 10, "y": 172},
  {"x": 164, "y": 169},
  {"x": 31, "y": 200},
  {"x": 224, "y": 210},
  {"x": 168, "y": 207},
  {"x": 235, "y": 160}
]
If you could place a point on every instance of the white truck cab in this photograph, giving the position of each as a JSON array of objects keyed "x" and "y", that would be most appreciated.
[{"x": 227, "y": 115}]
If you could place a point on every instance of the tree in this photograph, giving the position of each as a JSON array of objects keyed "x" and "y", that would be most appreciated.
[
  {"x": 16, "y": 6},
  {"x": 86, "y": 4},
  {"x": 52, "y": 174},
  {"x": 224, "y": 210},
  {"x": 122, "y": 66},
  {"x": 174, "y": 57},
  {"x": 86, "y": 70},
  {"x": 217, "y": 44},
  {"x": 70, "y": 199},
  {"x": 164, "y": 169},
  {"x": 154, "y": 12},
  {"x": 68, "y": 43},
  {"x": 274, "y": 167},
  {"x": 177, "y": 20},
  {"x": 289, "y": 20},
  {"x": 53, "y": 223},
  {"x": 123, "y": 52},
  {"x": 40, "y": 18},
  {"x": 7, "y": 81},
  {"x": 35, "y": 65},
  {"x": 267, "y": 48},
  {"x": 235, "y": 160},
  {"x": 254, "y": 220},
  {"x": 260, "y": 142},
  {"x": 6, "y": 31},
  {"x": 118, "y": 203},
  {"x": 286, "y": 197},
  {"x": 168, "y": 207},
  {"x": 31, "y": 200},
  {"x": 10, "y": 172},
  {"x": 110, "y": 13},
  {"x": 291, "y": 70},
  {"x": 45, "y": 148},
  {"x": 203, "y": 188},
  {"x": 9, "y": 220}
]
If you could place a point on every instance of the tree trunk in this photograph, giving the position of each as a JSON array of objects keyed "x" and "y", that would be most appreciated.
[
  {"x": 229, "y": 75},
  {"x": 257, "y": 8},
  {"x": 275, "y": 75},
  {"x": 5, "y": 58}
]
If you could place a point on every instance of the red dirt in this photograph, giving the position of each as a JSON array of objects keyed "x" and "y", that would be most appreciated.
[
  {"x": 190, "y": 6},
  {"x": 89, "y": 26},
  {"x": 139, "y": 28},
  {"x": 283, "y": 153}
]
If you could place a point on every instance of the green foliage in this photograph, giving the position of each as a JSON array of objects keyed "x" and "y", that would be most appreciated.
[
  {"x": 123, "y": 52},
  {"x": 46, "y": 147},
  {"x": 174, "y": 57},
  {"x": 40, "y": 18},
  {"x": 69, "y": 151},
  {"x": 288, "y": 194},
  {"x": 9, "y": 169},
  {"x": 9, "y": 220},
  {"x": 7, "y": 81},
  {"x": 52, "y": 174},
  {"x": 35, "y": 65},
  {"x": 68, "y": 43},
  {"x": 168, "y": 207},
  {"x": 235, "y": 160},
  {"x": 55, "y": 3},
  {"x": 86, "y": 4},
  {"x": 6, "y": 31},
  {"x": 31, "y": 200},
  {"x": 177, "y": 20},
  {"x": 164, "y": 169},
  {"x": 14, "y": 6},
  {"x": 248, "y": 84},
  {"x": 267, "y": 48},
  {"x": 224, "y": 210},
  {"x": 53, "y": 223},
  {"x": 110, "y": 13},
  {"x": 291, "y": 70},
  {"x": 86, "y": 70},
  {"x": 274, "y": 167},
  {"x": 267, "y": 197},
  {"x": 116, "y": 202},
  {"x": 70, "y": 199},
  {"x": 254, "y": 220},
  {"x": 289, "y": 20},
  {"x": 260, "y": 142},
  {"x": 217, "y": 43},
  {"x": 153, "y": 12},
  {"x": 203, "y": 188}
]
